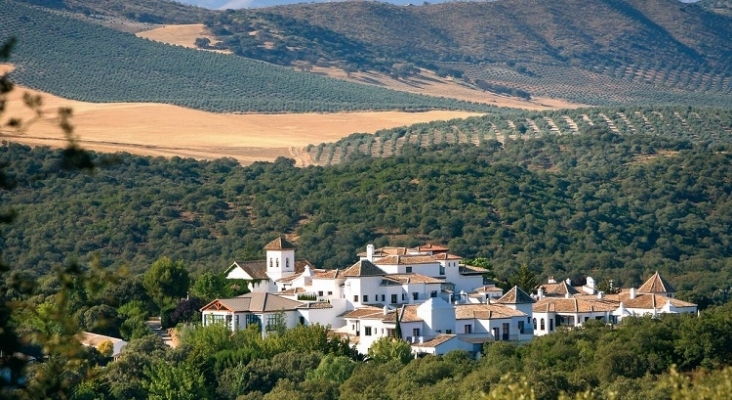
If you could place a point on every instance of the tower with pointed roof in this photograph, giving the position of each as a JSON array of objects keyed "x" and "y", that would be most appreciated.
[
  {"x": 657, "y": 285},
  {"x": 280, "y": 258},
  {"x": 517, "y": 299}
]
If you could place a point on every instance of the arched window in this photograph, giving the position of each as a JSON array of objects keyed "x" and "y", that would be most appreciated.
[
  {"x": 277, "y": 263},
  {"x": 270, "y": 263},
  {"x": 534, "y": 323},
  {"x": 287, "y": 263},
  {"x": 542, "y": 324}
]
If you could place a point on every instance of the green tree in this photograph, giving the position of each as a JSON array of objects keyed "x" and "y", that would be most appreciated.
[
  {"x": 178, "y": 382},
  {"x": 166, "y": 281},
  {"x": 387, "y": 349},
  {"x": 524, "y": 278}
]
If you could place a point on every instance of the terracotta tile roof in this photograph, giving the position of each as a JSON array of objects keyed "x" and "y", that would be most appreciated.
[
  {"x": 650, "y": 300},
  {"x": 431, "y": 247},
  {"x": 515, "y": 296},
  {"x": 257, "y": 269},
  {"x": 254, "y": 302},
  {"x": 574, "y": 305},
  {"x": 279, "y": 244},
  {"x": 656, "y": 284},
  {"x": 327, "y": 273},
  {"x": 487, "y": 288},
  {"x": 316, "y": 305},
  {"x": 485, "y": 311},
  {"x": 408, "y": 313},
  {"x": 471, "y": 270},
  {"x": 413, "y": 278},
  {"x": 559, "y": 289},
  {"x": 436, "y": 341},
  {"x": 292, "y": 291},
  {"x": 362, "y": 312},
  {"x": 405, "y": 260},
  {"x": 363, "y": 268},
  {"x": 446, "y": 256}
]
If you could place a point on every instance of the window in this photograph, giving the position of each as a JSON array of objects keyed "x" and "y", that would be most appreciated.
[
  {"x": 521, "y": 326},
  {"x": 438, "y": 331},
  {"x": 355, "y": 298},
  {"x": 252, "y": 319},
  {"x": 535, "y": 323},
  {"x": 542, "y": 324},
  {"x": 301, "y": 320},
  {"x": 277, "y": 263},
  {"x": 415, "y": 332},
  {"x": 365, "y": 298},
  {"x": 270, "y": 263},
  {"x": 212, "y": 319},
  {"x": 273, "y": 322},
  {"x": 383, "y": 297},
  {"x": 320, "y": 293},
  {"x": 409, "y": 270},
  {"x": 287, "y": 263},
  {"x": 442, "y": 269},
  {"x": 448, "y": 331},
  {"x": 415, "y": 295},
  {"x": 433, "y": 293},
  {"x": 330, "y": 293},
  {"x": 367, "y": 331},
  {"x": 468, "y": 329},
  {"x": 393, "y": 298},
  {"x": 404, "y": 296},
  {"x": 551, "y": 325}
]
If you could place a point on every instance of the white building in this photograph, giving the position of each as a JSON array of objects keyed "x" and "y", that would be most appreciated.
[
  {"x": 562, "y": 305},
  {"x": 361, "y": 302}
]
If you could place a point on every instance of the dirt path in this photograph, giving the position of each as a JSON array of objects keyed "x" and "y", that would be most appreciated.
[{"x": 154, "y": 325}]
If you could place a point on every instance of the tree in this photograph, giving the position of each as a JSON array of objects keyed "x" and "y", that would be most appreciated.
[
  {"x": 165, "y": 281},
  {"x": 180, "y": 382},
  {"x": 387, "y": 349},
  {"x": 210, "y": 286},
  {"x": 524, "y": 278},
  {"x": 203, "y": 42}
]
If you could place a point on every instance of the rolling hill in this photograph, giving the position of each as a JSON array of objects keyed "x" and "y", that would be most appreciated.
[
  {"x": 619, "y": 51},
  {"x": 596, "y": 52},
  {"x": 83, "y": 61}
]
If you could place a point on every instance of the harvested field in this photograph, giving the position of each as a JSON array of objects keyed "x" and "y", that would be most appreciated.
[
  {"x": 165, "y": 130},
  {"x": 180, "y": 35}
]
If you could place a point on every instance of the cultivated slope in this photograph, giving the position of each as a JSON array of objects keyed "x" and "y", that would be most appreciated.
[{"x": 88, "y": 62}]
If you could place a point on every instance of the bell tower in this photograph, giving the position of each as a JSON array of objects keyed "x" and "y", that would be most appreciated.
[{"x": 280, "y": 258}]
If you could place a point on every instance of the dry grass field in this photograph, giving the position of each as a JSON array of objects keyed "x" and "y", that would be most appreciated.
[
  {"x": 165, "y": 130},
  {"x": 180, "y": 35}
]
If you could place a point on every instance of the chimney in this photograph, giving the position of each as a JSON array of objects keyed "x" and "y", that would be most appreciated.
[
  {"x": 566, "y": 295},
  {"x": 370, "y": 252},
  {"x": 568, "y": 282},
  {"x": 632, "y": 293},
  {"x": 541, "y": 293},
  {"x": 590, "y": 282},
  {"x": 551, "y": 280},
  {"x": 386, "y": 310},
  {"x": 600, "y": 294}
]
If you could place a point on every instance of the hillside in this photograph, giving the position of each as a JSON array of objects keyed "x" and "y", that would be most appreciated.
[
  {"x": 594, "y": 203},
  {"x": 620, "y": 51},
  {"x": 88, "y": 62},
  {"x": 709, "y": 126},
  {"x": 719, "y": 6}
]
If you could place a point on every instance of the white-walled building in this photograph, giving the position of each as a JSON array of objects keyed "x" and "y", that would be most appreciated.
[
  {"x": 559, "y": 304},
  {"x": 362, "y": 301}
]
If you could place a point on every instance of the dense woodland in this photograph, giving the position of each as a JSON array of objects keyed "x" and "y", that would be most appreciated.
[{"x": 601, "y": 204}]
